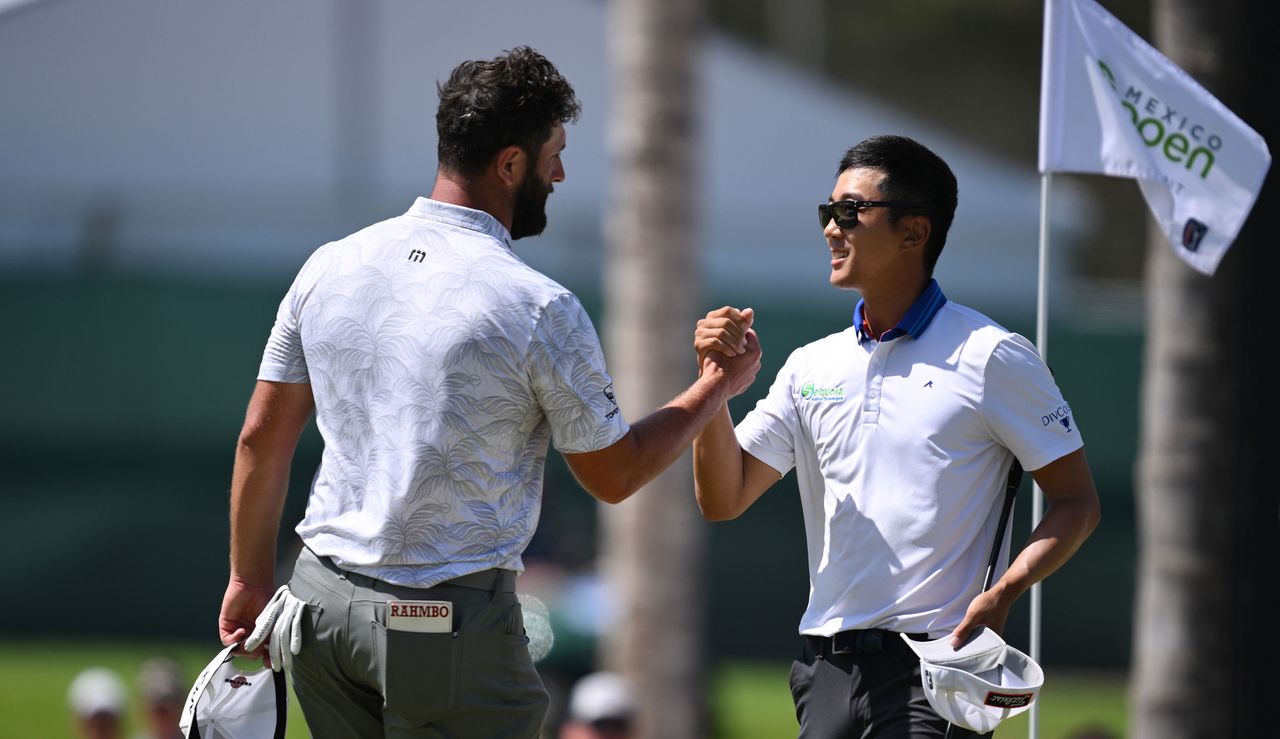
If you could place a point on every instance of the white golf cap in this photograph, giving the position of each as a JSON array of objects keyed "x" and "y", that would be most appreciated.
[
  {"x": 229, "y": 703},
  {"x": 601, "y": 696},
  {"x": 96, "y": 690},
  {"x": 980, "y": 684}
]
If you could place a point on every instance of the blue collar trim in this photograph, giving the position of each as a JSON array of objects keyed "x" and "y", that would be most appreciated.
[{"x": 916, "y": 320}]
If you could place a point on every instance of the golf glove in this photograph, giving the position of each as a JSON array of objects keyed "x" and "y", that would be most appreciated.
[{"x": 279, "y": 623}]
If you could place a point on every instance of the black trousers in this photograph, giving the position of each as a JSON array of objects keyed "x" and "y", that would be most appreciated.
[{"x": 864, "y": 685}]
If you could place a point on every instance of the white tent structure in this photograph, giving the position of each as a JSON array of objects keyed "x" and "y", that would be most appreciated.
[{"x": 232, "y": 138}]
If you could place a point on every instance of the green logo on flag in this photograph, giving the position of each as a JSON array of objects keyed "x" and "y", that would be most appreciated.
[{"x": 1164, "y": 128}]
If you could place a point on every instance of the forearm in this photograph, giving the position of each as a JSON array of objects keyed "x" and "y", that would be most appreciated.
[
  {"x": 260, "y": 482},
  {"x": 661, "y": 437},
  {"x": 1067, "y": 522},
  {"x": 1072, "y": 515},
  {"x": 718, "y": 476},
  {"x": 614, "y": 473}
]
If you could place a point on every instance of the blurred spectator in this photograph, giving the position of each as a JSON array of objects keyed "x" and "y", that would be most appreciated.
[
  {"x": 97, "y": 700},
  {"x": 600, "y": 707},
  {"x": 163, "y": 689}
]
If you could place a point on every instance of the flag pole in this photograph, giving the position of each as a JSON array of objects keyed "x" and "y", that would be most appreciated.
[
  {"x": 1042, "y": 345},
  {"x": 1042, "y": 326}
]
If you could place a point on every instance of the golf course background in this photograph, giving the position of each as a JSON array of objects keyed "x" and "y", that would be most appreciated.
[{"x": 120, "y": 428}]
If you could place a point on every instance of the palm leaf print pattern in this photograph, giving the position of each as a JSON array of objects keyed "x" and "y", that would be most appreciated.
[
  {"x": 441, "y": 366},
  {"x": 573, "y": 389}
]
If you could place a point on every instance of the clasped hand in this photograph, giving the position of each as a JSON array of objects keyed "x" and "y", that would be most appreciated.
[{"x": 726, "y": 340}]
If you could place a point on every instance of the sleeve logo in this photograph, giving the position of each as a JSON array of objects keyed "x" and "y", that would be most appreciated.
[
  {"x": 1060, "y": 415},
  {"x": 613, "y": 401}
]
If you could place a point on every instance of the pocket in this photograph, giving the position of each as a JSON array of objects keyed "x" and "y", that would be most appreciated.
[
  {"x": 522, "y": 673},
  {"x": 515, "y": 621},
  {"x": 419, "y": 672},
  {"x": 799, "y": 680},
  {"x": 311, "y": 625}
]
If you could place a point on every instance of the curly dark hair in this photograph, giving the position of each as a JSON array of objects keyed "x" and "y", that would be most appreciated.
[
  {"x": 913, "y": 174},
  {"x": 512, "y": 99}
]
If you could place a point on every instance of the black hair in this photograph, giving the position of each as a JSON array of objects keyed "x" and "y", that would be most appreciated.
[
  {"x": 912, "y": 174},
  {"x": 486, "y": 106}
]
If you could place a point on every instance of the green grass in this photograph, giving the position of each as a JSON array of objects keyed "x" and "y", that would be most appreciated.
[
  {"x": 34, "y": 676},
  {"x": 750, "y": 700},
  {"x": 1071, "y": 703}
]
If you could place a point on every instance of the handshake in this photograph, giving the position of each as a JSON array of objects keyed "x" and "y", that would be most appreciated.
[{"x": 727, "y": 345}]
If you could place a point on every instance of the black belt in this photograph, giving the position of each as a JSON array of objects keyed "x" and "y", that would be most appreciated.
[
  {"x": 858, "y": 641},
  {"x": 493, "y": 580}
]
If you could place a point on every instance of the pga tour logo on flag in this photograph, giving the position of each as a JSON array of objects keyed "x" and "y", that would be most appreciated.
[{"x": 1112, "y": 104}]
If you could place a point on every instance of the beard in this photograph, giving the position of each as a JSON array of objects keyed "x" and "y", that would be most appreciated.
[{"x": 530, "y": 213}]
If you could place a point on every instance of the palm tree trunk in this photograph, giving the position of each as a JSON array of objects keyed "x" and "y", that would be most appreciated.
[
  {"x": 1207, "y": 509},
  {"x": 653, "y": 545}
]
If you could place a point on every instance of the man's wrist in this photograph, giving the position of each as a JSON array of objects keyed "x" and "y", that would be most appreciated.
[
  {"x": 715, "y": 382},
  {"x": 1006, "y": 592},
  {"x": 244, "y": 582}
]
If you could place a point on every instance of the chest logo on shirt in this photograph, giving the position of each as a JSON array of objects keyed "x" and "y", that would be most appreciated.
[
  {"x": 811, "y": 392},
  {"x": 1061, "y": 415}
]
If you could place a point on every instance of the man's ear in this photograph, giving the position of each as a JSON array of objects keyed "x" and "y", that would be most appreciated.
[
  {"x": 510, "y": 164},
  {"x": 915, "y": 230}
]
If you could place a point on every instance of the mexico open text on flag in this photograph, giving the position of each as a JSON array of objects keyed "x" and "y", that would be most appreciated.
[{"x": 1111, "y": 104}]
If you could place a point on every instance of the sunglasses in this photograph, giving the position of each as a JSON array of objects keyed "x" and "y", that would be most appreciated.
[{"x": 846, "y": 211}]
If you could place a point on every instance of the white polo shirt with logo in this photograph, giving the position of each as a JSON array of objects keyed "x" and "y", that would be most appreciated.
[
  {"x": 441, "y": 365},
  {"x": 901, "y": 449}
]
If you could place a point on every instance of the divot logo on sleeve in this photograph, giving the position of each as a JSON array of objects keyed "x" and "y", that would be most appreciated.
[
  {"x": 811, "y": 392},
  {"x": 1060, "y": 415}
]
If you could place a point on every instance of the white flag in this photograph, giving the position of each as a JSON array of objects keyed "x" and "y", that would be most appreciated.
[{"x": 1111, "y": 104}]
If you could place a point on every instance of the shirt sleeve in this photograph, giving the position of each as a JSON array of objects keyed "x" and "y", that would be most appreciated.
[
  {"x": 569, "y": 378},
  {"x": 768, "y": 432},
  {"x": 1024, "y": 408},
  {"x": 283, "y": 360}
]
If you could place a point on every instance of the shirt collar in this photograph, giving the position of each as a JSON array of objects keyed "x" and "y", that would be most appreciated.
[
  {"x": 916, "y": 320},
  {"x": 457, "y": 215}
]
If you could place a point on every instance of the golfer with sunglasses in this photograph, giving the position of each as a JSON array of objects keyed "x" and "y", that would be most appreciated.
[{"x": 901, "y": 430}]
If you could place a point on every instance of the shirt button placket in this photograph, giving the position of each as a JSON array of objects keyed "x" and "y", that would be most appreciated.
[{"x": 871, "y": 397}]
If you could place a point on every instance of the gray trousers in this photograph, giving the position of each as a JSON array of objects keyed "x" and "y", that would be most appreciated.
[
  {"x": 356, "y": 678},
  {"x": 869, "y": 691}
]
